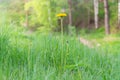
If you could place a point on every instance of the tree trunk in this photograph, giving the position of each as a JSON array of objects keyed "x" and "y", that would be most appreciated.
[
  {"x": 106, "y": 9},
  {"x": 26, "y": 16},
  {"x": 119, "y": 14},
  {"x": 49, "y": 15},
  {"x": 96, "y": 9},
  {"x": 70, "y": 12},
  {"x": 88, "y": 18},
  {"x": 70, "y": 17}
]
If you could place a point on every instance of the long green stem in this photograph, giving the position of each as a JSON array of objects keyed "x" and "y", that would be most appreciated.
[{"x": 62, "y": 60}]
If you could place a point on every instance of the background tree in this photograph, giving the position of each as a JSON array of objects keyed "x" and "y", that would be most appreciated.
[
  {"x": 107, "y": 24},
  {"x": 70, "y": 12},
  {"x": 70, "y": 16},
  {"x": 42, "y": 14},
  {"x": 26, "y": 24},
  {"x": 96, "y": 8},
  {"x": 119, "y": 14}
]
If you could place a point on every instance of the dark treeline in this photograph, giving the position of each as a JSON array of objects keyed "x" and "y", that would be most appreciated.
[{"x": 81, "y": 14}]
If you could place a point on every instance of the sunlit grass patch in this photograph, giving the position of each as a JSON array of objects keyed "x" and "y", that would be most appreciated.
[{"x": 39, "y": 57}]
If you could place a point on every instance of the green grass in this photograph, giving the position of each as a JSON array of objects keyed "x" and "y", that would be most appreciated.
[
  {"x": 45, "y": 57},
  {"x": 42, "y": 57},
  {"x": 109, "y": 42}
]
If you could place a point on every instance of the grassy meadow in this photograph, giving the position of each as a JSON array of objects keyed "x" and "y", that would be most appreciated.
[
  {"x": 49, "y": 57},
  {"x": 40, "y": 56}
]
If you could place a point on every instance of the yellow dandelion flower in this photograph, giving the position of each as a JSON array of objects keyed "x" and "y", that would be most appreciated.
[{"x": 61, "y": 15}]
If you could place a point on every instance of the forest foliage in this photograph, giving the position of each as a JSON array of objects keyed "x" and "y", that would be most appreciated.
[{"x": 42, "y": 14}]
